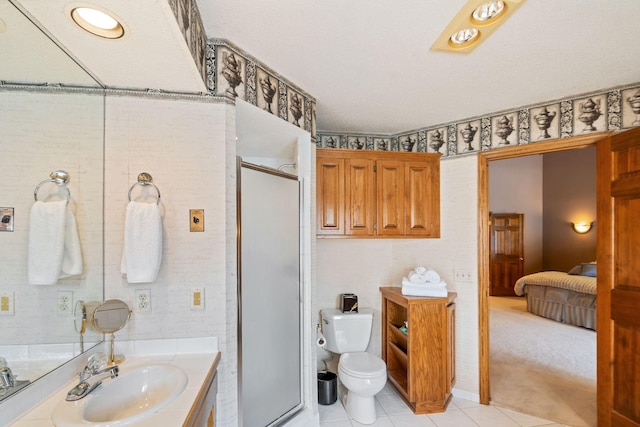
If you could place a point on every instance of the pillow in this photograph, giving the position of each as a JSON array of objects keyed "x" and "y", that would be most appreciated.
[
  {"x": 589, "y": 269},
  {"x": 575, "y": 271},
  {"x": 584, "y": 269}
]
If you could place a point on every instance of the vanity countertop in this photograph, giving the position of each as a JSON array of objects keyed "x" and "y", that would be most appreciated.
[{"x": 196, "y": 365}]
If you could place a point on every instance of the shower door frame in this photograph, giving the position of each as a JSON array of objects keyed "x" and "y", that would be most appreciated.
[{"x": 291, "y": 412}]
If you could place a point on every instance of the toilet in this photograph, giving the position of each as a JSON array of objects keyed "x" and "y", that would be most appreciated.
[{"x": 361, "y": 373}]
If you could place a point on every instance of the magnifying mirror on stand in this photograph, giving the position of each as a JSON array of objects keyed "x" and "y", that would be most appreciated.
[{"x": 108, "y": 318}]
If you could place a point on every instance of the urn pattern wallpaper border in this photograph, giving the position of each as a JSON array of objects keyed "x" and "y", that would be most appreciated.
[
  {"x": 188, "y": 17},
  {"x": 233, "y": 73},
  {"x": 613, "y": 109}
]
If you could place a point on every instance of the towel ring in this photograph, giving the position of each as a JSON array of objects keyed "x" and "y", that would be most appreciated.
[
  {"x": 60, "y": 178},
  {"x": 145, "y": 179}
]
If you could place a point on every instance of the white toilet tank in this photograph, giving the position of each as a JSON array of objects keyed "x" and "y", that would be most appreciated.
[{"x": 346, "y": 332}]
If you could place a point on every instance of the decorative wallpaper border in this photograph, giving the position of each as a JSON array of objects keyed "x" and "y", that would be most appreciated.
[
  {"x": 233, "y": 73},
  {"x": 188, "y": 17},
  {"x": 612, "y": 109}
]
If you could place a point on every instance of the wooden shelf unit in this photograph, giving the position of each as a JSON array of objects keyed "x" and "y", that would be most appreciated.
[{"x": 421, "y": 363}]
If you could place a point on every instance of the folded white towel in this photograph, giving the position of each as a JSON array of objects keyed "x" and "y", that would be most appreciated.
[
  {"x": 422, "y": 291},
  {"x": 54, "y": 245},
  {"x": 142, "y": 254},
  {"x": 440, "y": 284},
  {"x": 421, "y": 270},
  {"x": 416, "y": 278},
  {"x": 432, "y": 275}
]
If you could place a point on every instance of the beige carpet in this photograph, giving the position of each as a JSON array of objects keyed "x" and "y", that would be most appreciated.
[{"x": 541, "y": 367}]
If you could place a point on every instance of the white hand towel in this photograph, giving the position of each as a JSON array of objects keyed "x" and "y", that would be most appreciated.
[
  {"x": 142, "y": 254},
  {"x": 72, "y": 257},
  {"x": 422, "y": 291},
  {"x": 54, "y": 246},
  {"x": 421, "y": 270}
]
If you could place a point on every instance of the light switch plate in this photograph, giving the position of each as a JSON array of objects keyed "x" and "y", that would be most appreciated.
[
  {"x": 197, "y": 298},
  {"x": 196, "y": 219},
  {"x": 7, "y": 307}
]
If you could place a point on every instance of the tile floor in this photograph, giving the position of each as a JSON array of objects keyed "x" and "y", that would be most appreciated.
[{"x": 393, "y": 412}]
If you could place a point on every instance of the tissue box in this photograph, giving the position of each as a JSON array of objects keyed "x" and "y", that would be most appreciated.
[{"x": 349, "y": 303}]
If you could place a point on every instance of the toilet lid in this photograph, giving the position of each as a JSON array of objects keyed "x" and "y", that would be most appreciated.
[{"x": 362, "y": 365}]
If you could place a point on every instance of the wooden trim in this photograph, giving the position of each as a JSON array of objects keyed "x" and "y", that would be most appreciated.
[
  {"x": 199, "y": 401},
  {"x": 484, "y": 157},
  {"x": 604, "y": 255}
]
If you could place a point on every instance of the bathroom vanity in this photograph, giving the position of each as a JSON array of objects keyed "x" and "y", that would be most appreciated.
[
  {"x": 420, "y": 362},
  {"x": 193, "y": 407}
]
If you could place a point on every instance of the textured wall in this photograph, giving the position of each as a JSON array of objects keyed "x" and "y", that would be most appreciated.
[
  {"x": 361, "y": 266},
  {"x": 515, "y": 185},
  {"x": 573, "y": 201},
  {"x": 183, "y": 145}
]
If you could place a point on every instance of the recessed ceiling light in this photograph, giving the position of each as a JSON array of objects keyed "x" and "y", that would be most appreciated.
[
  {"x": 477, "y": 20},
  {"x": 464, "y": 37},
  {"x": 97, "y": 22},
  {"x": 488, "y": 11}
]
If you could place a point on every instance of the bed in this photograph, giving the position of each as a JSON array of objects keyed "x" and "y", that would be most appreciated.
[{"x": 564, "y": 297}]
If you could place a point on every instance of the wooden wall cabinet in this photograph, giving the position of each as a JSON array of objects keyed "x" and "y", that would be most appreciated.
[
  {"x": 377, "y": 194},
  {"x": 421, "y": 363}
]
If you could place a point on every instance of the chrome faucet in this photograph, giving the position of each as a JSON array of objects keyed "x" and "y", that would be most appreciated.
[{"x": 92, "y": 376}]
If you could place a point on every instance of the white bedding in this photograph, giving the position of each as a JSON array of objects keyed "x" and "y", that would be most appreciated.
[{"x": 557, "y": 279}]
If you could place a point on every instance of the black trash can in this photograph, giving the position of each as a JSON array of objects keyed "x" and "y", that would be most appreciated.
[{"x": 327, "y": 388}]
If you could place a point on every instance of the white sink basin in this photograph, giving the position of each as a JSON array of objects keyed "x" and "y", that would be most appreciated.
[{"x": 130, "y": 397}]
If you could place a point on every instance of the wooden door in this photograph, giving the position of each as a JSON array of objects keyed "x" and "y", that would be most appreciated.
[
  {"x": 359, "y": 197},
  {"x": 507, "y": 252},
  {"x": 390, "y": 196},
  {"x": 330, "y": 195},
  {"x": 421, "y": 199},
  {"x": 619, "y": 280}
]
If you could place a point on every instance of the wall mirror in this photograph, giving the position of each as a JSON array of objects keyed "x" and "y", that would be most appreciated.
[{"x": 51, "y": 118}]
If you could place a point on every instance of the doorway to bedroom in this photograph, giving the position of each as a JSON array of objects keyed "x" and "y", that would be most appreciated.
[{"x": 528, "y": 364}]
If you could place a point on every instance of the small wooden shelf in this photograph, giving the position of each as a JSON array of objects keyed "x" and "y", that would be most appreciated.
[
  {"x": 420, "y": 364},
  {"x": 398, "y": 337}
]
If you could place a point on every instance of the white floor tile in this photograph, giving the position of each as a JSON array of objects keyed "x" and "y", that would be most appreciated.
[
  {"x": 380, "y": 422},
  {"x": 392, "y": 404},
  {"x": 392, "y": 411},
  {"x": 340, "y": 423},
  {"x": 452, "y": 418},
  {"x": 335, "y": 412},
  {"x": 489, "y": 416},
  {"x": 411, "y": 420}
]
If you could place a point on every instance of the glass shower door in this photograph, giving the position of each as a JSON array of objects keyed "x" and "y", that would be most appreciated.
[{"x": 269, "y": 296}]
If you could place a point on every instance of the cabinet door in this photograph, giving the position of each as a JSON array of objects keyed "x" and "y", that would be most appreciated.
[
  {"x": 422, "y": 195},
  {"x": 359, "y": 197},
  {"x": 330, "y": 196},
  {"x": 390, "y": 197}
]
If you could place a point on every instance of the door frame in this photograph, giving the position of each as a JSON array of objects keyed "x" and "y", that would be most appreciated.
[{"x": 484, "y": 158}]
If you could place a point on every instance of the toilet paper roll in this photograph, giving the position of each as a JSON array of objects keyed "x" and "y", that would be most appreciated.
[{"x": 320, "y": 341}]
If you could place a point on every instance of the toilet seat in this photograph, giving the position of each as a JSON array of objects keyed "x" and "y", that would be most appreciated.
[{"x": 362, "y": 365}]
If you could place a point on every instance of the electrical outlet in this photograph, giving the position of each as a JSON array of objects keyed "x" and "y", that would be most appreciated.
[
  {"x": 6, "y": 304},
  {"x": 197, "y": 299},
  {"x": 143, "y": 300},
  {"x": 64, "y": 303},
  {"x": 462, "y": 275}
]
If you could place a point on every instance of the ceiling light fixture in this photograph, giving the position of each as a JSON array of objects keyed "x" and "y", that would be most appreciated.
[
  {"x": 98, "y": 22},
  {"x": 474, "y": 23}
]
